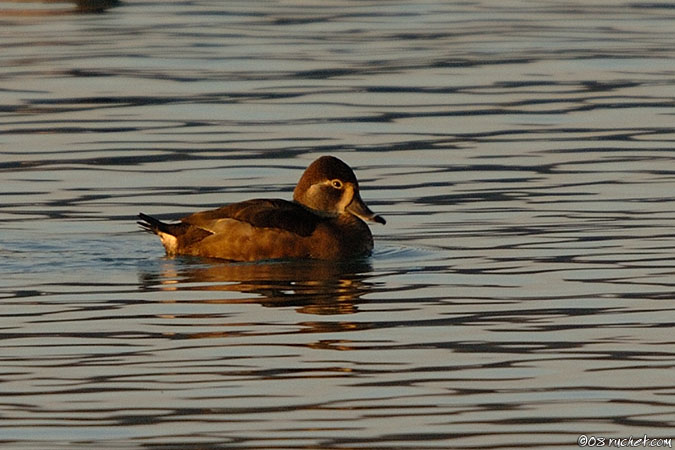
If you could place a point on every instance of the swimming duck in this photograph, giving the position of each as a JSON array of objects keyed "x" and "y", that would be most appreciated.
[{"x": 325, "y": 220}]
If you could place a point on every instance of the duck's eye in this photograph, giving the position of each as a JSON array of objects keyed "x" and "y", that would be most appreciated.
[{"x": 337, "y": 184}]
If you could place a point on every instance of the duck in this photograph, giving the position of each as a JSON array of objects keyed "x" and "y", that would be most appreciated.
[{"x": 326, "y": 220}]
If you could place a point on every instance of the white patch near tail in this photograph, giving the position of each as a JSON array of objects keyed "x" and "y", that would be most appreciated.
[{"x": 169, "y": 242}]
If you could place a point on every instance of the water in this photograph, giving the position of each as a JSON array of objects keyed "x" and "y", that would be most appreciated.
[{"x": 520, "y": 295}]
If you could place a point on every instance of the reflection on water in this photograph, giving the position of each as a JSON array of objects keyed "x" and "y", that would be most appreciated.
[
  {"x": 519, "y": 296},
  {"x": 315, "y": 287}
]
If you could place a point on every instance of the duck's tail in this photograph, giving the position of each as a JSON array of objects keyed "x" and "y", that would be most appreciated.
[
  {"x": 177, "y": 238},
  {"x": 152, "y": 225},
  {"x": 168, "y": 233}
]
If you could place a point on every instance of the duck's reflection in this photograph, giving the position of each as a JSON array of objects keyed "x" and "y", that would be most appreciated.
[{"x": 314, "y": 287}]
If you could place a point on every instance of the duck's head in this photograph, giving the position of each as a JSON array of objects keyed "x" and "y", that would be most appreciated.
[{"x": 329, "y": 187}]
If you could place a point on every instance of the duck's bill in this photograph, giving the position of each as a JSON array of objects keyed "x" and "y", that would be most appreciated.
[{"x": 360, "y": 210}]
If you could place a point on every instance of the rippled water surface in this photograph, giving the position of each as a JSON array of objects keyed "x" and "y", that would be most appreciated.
[{"x": 520, "y": 295}]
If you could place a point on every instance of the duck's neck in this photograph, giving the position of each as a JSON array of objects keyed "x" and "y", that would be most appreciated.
[{"x": 317, "y": 212}]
